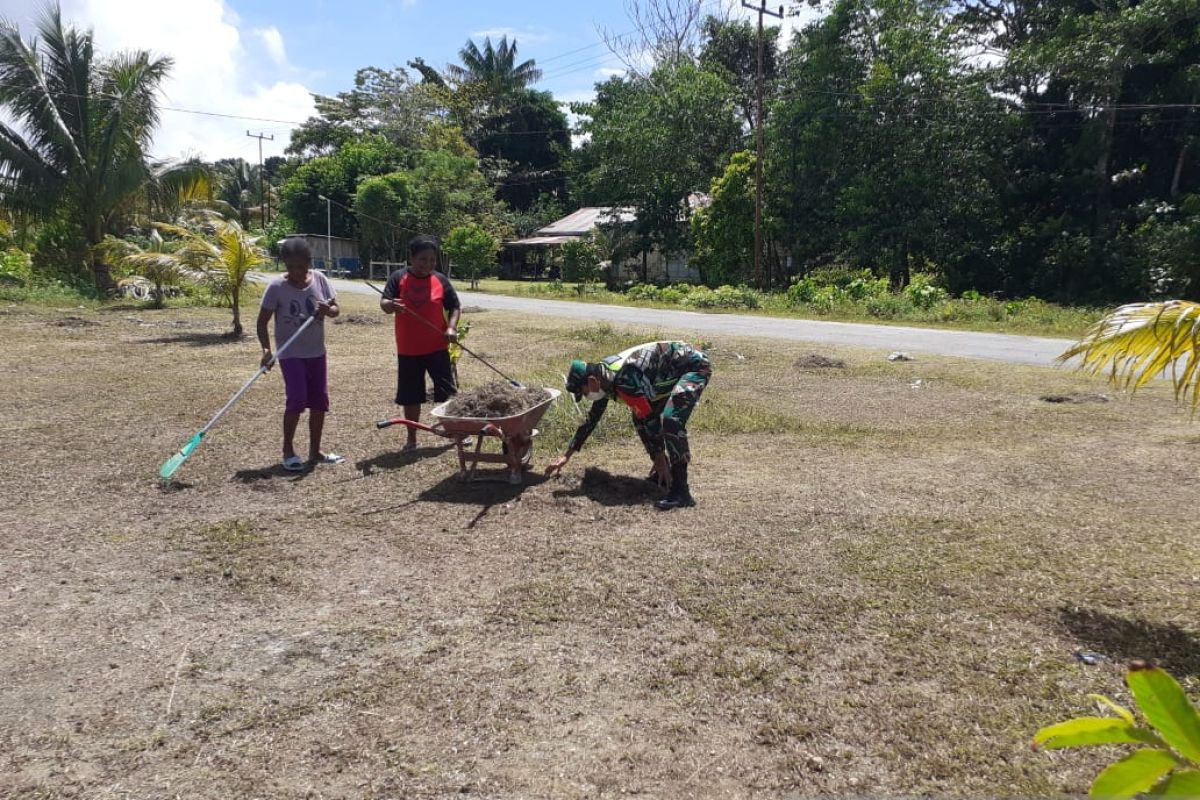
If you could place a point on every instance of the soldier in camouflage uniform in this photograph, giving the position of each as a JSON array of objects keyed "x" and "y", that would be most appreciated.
[{"x": 661, "y": 383}]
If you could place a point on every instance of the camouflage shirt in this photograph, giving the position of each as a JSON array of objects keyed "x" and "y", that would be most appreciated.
[{"x": 643, "y": 378}]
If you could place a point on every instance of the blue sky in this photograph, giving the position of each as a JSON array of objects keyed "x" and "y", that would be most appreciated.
[{"x": 263, "y": 58}]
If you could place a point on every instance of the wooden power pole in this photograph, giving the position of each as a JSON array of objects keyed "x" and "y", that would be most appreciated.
[
  {"x": 264, "y": 205},
  {"x": 762, "y": 10}
]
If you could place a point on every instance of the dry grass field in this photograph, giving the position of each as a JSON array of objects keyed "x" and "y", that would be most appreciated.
[{"x": 882, "y": 590}]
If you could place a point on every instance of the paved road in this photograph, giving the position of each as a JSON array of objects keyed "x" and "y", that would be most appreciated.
[{"x": 962, "y": 344}]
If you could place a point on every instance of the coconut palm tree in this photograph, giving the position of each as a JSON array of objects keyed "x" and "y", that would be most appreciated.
[
  {"x": 76, "y": 148},
  {"x": 1136, "y": 343},
  {"x": 224, "y": 254},
  {"x": 156, "y": 262},
  {"x": 496, "y": 68}
]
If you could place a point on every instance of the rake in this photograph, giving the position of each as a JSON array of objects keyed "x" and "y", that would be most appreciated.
[{"x": 172, "y": 464}]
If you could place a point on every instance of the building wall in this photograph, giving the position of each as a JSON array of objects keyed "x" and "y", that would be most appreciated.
[{"x": 659, "y": 268}]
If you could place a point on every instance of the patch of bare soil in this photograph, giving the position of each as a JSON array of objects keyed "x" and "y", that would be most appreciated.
[
  {"x": 1076, "y": 398},
  {"x": 73, "y": 321},
  {"x": 818, "y": 361},
  {"x": 357, "y": 319},
  {"x": 495, "y": 400}
]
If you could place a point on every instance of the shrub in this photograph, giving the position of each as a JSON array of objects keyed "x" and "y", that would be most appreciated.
[
  {"x": 890, "y": 306},
  {"x": 723, "y": 297},
  {"x": 866, "y": 288},
  {"x": 644, "y": 292},
  {"x": 972, "y": 296},
  {"x": 803, "y": 290},
  {"x": 923, "y": 292},
  {"x": 675, "y": 294},
  {"x": 16, "y": 266}
]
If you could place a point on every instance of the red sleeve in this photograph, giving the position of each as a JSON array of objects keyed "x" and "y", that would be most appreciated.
[{"x": 639, "y": 404}]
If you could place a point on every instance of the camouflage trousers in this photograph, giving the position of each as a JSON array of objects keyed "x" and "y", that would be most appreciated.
[{"x": 676, "y": 408}]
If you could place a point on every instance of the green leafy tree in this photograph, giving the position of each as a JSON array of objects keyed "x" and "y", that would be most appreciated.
[
  {"x": 473, "y": 250},
  {"x": 336, "y": 176},
  {"x": 655, "y": 140},
  {"x": 724, "y": 231},
  {"x": 581, "y": 261},
  {"x": 527, "y": 137},
  {"x": 1166, "y": 762},
  {"x": 78, "y": 148},
  {"x": 384, "y": 207},
  {"x": 731, "y": 48}
]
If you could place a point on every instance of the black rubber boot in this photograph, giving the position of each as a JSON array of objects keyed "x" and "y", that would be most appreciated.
[{"x": 679, "y": 496}]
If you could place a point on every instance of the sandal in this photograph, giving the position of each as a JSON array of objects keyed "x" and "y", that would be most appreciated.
[{"x": 293, "y": 464}]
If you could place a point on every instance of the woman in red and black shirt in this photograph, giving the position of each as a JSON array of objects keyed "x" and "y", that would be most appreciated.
[{"x": 422, "y": 347}]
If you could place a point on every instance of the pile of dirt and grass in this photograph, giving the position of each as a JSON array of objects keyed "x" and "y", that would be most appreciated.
[
  {"x": 818, "y": 361},
  {"x": 494, "y": 400}
]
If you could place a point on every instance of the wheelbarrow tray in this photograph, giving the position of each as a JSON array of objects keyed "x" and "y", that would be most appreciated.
[{"x": 514, "y": 425}]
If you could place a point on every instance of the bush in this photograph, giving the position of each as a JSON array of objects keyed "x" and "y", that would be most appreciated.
[
  {"x": 803, "y": 290},
  {"x": 972, "y": 296},
  {"x": 723, "y": 297},
  {"x": 16, "y": 266},
  {"x": 675, "y": 294},
  {"x": 866, "y": 288},
  {"x": 645, "y": 292},
  {"x": 891, "y": 306},
  {"x": 923, "y": 292}
]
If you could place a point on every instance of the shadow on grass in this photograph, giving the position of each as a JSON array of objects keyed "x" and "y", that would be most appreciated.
[
  {"x": 1169, "y": 646},
  {"x": 195, "y": 339},
  {"x": 613, "y": 490},
  {"x": 489, "y": 489},
  {"x": 388, "y": 462},
  {"x": 274, "y": 472}
]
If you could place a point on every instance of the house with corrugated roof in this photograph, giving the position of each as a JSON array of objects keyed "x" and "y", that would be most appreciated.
[{"x": 537, "y": 256}]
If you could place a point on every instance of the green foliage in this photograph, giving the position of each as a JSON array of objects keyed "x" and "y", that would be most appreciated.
[
  {"x": 156, "y": 261},
  {"x": 16, "y": 267},
  {"x": 923, "y": 292},
  {"x": 581, "y": 261},
  {"x": 1167, "y": 762},
  {"x": 473, "y": 250},
  {"x": 75, "y": 149},
  {"x": 723, "y": 232},
  {"x": 654, "y": 140},
  {"x": 336, "y": 176}
]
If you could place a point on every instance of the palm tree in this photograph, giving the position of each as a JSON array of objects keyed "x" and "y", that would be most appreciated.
[
  {"x": 82, "y": 125},
  {"x": 155, "y": 262},
  {"x": 495, "y": 68},
  {"x": 224, "y": 254},
  {"x": 1136, "y": 343}
]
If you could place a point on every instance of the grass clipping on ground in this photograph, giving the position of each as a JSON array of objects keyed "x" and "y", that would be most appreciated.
[{"x": 495, "y": 400}]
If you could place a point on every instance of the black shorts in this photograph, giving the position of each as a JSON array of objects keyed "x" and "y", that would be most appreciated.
[{"x": 410, "y": 378}]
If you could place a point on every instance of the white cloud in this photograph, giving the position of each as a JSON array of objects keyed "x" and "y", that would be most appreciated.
[
  {"x": 218, "y": 67},
  {"x": 272, "y": 39},
  {"x": 604, "y": 73},
  {"x": 527, "y": 36}
]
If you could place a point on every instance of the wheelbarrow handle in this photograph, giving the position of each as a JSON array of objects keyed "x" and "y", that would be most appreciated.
[{"x": 408, "y": 423}]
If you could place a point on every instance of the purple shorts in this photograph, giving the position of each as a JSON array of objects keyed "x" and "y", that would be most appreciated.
[{"x": 305, "y": 384}]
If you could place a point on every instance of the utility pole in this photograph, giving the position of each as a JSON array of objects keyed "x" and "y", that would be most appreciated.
[
  {"x": 758, "y": 136},
  {"x": 265, "y": 204}
]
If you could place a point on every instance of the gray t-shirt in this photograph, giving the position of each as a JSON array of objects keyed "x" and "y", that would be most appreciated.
[{"x": 291, "y": 306}]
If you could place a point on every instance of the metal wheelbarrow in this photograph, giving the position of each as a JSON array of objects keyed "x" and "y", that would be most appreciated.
[{"x": 515, "y": 434}]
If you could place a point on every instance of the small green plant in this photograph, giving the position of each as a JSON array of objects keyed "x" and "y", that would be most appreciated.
[
  {"x": 16, "y": 266},
  {"x": 645, "y": 292},
  {"x": 1167, "y": 763},
  {"x": 923, "y": 292},
  {"x": 581, "y": 261},
  {"x": 972, "y": 296}
]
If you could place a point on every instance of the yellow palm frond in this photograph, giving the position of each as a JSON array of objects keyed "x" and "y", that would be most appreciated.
[{"x": 1138, "y": 342}]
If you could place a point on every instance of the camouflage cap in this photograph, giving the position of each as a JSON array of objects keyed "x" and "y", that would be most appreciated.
[{"x": 577, "y": 378}]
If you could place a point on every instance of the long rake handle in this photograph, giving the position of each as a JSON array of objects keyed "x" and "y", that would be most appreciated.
[{"x": 465, "y": 349}]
